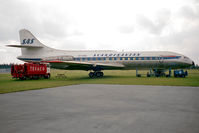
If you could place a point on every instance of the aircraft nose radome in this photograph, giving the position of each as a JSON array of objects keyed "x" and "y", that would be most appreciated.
[{"x": 189, "y": 62}]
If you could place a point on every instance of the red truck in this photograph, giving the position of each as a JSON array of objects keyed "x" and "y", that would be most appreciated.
[{"x": 30, "y": 70}]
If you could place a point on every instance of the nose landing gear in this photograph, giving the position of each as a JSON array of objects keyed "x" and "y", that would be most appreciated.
[{"x": 96, "y": 74}]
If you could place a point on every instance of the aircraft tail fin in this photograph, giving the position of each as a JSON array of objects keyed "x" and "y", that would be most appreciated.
[
  {"x": 28, "y": 39},
  {"x": 30, "y": 45}
]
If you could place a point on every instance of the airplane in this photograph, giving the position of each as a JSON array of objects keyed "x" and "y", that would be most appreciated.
[{"x": 96, "y": 61}]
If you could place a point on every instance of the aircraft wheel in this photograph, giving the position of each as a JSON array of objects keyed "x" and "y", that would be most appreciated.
[
  {"x": 91, "y": 74},
  {"x": 101, "y": 74},
  {"x": 98, "y": 74}
]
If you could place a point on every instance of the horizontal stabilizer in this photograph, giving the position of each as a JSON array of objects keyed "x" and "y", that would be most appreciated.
[{"x": 25, "y": 46}]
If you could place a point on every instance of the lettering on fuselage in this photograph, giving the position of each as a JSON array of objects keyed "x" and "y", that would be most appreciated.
[
  {"x": 27, "y": 41},
  {"x": 117, "y": 55}
]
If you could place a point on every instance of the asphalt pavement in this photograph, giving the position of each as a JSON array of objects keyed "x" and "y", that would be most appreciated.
[{"x": 101, "y": 109}]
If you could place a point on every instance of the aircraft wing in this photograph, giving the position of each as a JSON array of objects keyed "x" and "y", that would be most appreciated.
[{"x": 79, "y": 65}]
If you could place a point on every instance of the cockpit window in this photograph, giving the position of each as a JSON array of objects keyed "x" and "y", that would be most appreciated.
[{"x": 186, "y": 57}]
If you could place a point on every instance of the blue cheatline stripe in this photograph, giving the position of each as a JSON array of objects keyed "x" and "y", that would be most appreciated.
[
  {"x": 109, "y": 58},
  {"x": 34, "y": 59}
]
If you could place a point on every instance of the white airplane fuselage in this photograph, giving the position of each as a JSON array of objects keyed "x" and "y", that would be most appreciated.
[
  {"x": 130, "y": 59},
  {"x": 34, "y": 51}
]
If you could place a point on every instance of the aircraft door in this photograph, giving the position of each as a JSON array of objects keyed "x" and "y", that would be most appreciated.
[{"x": 161, "y": 60}]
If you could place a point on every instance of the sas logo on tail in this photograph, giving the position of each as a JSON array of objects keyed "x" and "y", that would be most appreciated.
[{"x": 28, "y": 41}]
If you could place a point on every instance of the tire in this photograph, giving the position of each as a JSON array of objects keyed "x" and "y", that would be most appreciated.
[
  {"x": 148, "y": 75},
  {"x": 35, "y": 77},
  {"x": 98, "y": 74},
  {"x": 47, "y": 76},
  {"x": 101, "y": 74},
  {"x": 21, "y": 78},
  {"x": 91, "y": 74}
]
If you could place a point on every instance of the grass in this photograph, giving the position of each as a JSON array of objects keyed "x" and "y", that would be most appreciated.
[{"x": 126, "y": 77}]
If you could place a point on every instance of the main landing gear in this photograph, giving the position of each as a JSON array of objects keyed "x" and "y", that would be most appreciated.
[{"x": 96, "y": 74}]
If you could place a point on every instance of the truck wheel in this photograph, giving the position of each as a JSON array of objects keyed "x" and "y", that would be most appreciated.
[
  {"x": 35, "y": 77},
  {"x": 22, "y": 78},
  {"x": 47, "y": 76}
]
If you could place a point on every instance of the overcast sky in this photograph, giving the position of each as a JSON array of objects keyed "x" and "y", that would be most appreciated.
[{"x": 137, "y": 25}]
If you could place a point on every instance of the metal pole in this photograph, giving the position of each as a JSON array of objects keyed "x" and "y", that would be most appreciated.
[
  {"x": 150, "y": 72},
  {"x": 136, "y": 72},
  {"x": 169, "y": 72}
]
